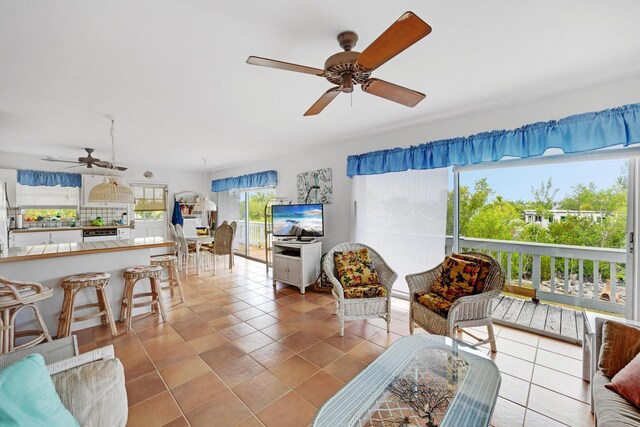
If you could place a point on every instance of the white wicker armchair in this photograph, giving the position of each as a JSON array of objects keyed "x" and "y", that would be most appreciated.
[
  {"x": 468, "y": 311},
  {"x": 360, "y": 308}
]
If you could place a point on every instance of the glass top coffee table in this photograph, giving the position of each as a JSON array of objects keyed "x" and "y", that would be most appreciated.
[{"x": 421, "y": 380}]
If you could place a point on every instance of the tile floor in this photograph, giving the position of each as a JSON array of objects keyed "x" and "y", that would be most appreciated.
[{"x": 238, "y": 352}]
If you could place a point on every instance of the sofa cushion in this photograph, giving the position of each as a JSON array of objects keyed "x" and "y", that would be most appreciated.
[
  {"x": 611, "y": 409},
  {"x": 434, "y": 303},
  {"x": 620, "y": 344},
  {"x": 366, "y": 291},
  {"x": 457, "y": 279},
  {"x": 485, "y": 266},
  {"x": 355, "y": 268},
  {"x": 29, "y": 398},
  {"x": 94, "y": 393},
  {"x": 627, "y": 382}
]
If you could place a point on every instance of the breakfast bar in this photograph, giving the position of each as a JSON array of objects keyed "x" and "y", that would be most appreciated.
[{"x": 49, "y": 264}]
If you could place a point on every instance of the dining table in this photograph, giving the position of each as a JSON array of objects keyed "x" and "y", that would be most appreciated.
[{"x": 199, "y": 240}]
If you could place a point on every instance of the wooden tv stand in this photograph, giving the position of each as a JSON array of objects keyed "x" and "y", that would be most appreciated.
[{"x": 296, "y": 264}]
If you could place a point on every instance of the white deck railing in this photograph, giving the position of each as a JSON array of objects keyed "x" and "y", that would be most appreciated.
[
  {"x": 256, "y": 233},
  {"x": 523, "y": 264}
]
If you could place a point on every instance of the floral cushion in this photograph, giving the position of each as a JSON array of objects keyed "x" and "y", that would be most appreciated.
[
  {"x": 434, "y": 303},
  {"x": 367, "y": 291},
  {"x": 485, "y": 266},
  {"x": 355, "y": 268},
  {"x": 458, "y": 279}
]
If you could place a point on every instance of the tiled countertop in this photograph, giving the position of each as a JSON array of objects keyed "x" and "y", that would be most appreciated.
[{"x": 70, "y": 249}]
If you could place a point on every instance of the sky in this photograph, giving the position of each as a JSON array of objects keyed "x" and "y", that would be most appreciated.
[{"x": 515, "y": 183}]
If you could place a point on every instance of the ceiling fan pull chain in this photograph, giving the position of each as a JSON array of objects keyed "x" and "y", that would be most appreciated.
[{"x": 351, "y": 98}]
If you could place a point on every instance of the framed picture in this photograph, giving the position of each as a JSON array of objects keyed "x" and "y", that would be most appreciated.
[{"x": 315, "y": 186}]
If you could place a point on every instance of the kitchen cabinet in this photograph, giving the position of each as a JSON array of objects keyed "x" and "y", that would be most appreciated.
[
  {"x": 296, "y": 264},
  {"x": 10, "y": 176},
  {"x": 45, "y": 237},
  {"x": 124, "y": 233},
  {"x": 90, "y": 181}
]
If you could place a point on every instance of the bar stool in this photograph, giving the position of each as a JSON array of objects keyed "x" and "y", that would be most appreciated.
[
  {"x": 72, "y": 285},
  {"x": 170, "y": 262},
  {"x": 131, "y": 276},
  {"x": 14, "y": 296}
]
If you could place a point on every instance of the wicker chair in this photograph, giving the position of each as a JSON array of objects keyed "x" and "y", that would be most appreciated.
[
  {"x": 360, "y": 308},
  {"x": 222, "y": 245},
  {"x": 468, "y": 311}
]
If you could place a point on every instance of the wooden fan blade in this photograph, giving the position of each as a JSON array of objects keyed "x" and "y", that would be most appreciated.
[
  {"x": 108, "y": 165},
  {"x": 407, "y": 30},
  {"x": 323, "y": 101},
  {"x": 48, "y": 159},
  {"x": 75, "y": 166},
  {"x": 272, "y": 63},
  {"x": 392, "y": 92}
]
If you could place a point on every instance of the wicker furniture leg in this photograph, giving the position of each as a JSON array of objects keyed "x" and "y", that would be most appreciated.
[
  {"x": 155, "y": 286},
  {"x": 107, "y": 319}
]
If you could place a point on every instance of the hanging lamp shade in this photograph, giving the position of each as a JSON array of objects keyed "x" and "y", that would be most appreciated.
[{"x": 111, "y": 191}]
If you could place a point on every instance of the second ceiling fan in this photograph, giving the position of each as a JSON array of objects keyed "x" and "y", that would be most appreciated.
[{"x": 345, "y": 69}]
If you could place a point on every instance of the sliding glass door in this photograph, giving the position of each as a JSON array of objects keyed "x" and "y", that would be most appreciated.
[{"x": 250, "y": 237}]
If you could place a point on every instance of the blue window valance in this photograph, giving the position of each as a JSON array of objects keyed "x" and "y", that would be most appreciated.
[
  {"x": 49, "y": 179},
  {"x": 252, "y": 180},
  {"x": 573, "y": 134}
]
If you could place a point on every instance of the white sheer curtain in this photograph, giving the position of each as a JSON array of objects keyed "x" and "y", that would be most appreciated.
[
  {"x": 403, "y": 216},
  {"x": 33, "y": 196}
]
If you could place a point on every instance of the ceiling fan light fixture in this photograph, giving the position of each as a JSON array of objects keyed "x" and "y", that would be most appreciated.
[{"x": 111, "y": 190}]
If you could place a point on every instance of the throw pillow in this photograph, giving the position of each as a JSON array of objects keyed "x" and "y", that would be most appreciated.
[
  {"x": 458, "y": 279},
  {"x": 355, "y": 268},
  {"x": 627, "y": 382},
  {"x": 95, "y": 393},
  {"x": 29, "y": 398},
  {"x": 620, "y": 344},
  {"x": 485, "y": 266}
]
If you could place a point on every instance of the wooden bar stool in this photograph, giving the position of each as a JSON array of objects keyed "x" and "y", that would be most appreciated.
[
  {"x": 170, "y": 262},
  {"x": 131, "y": 276},
  {"x": 14, "y": 296},
  {"x": 72, "y": 285}
]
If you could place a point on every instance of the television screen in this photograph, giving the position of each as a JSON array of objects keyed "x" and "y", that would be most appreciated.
[{"x": 297, "y": 220}]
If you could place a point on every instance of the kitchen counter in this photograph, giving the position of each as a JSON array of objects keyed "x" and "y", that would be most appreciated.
[
  {"x": 49, "y": 264},
  {"x": 71, "y": 249},
  {"x": 50, "y": 229}
]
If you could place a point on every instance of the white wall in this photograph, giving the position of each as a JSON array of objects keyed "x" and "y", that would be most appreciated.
[{"x": 334, "y": 153}]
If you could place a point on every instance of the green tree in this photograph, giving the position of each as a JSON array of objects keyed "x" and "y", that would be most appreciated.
[
  {"x": 543, "y": 196},
  {"x": 470, "y": 204}
]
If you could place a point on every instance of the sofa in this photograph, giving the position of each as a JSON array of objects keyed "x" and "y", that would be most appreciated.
[
  {"x": 609, "y": 408},
  {"x": 90, "y": 385}
]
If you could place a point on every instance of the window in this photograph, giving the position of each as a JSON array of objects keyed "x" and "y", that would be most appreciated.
[
  {"x": 150, "y": 202},
  {"x": 59, "y": 214},
  {"x": 28, "y": 196}
]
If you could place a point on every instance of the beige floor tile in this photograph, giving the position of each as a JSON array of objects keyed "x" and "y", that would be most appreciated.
[
  {"x": 197, "y": 391},
  {"x": 345, "y": 368},
  {"x": 239, "y": 370},
  {"x": 207, "y": 342},
  {"x": 299, "y": 412},
  {"x": 271, "y": 354},
  {"x": 534, "y": 419},
  {"x": 513, "y": 365},
  {"x": 560, "y": 347},
  {"x": 561, "y": 383},
  {"x": 507, "y": 414},
  {"x": 224, "y": 409},
  {"x": 320, "y": 387},
  {"x": 367, "y": 351},
  {"x": 559, "y": 407},
  {"x": 514, "y": 389},
  {"x": 294, "y": 371},
  {"x": 261, "y": 390},
  {"x": 156, "y": 411},
  {"x": 322, "y": 354},
  {"x": 221, "y": 355},
  {"x": 558, "y": 362}
]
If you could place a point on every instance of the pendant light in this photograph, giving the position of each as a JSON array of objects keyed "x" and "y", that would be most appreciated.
[
  {"x": 111, "y": 190},
  {"x": 205, "y": 205}
]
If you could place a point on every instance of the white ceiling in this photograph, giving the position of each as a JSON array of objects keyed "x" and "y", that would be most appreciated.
[{"x": 173, "y": 73}]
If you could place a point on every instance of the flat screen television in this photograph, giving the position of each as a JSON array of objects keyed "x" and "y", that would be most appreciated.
[{"x": 297, "y": 220}]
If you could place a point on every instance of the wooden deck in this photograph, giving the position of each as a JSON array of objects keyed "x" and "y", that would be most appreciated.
[{"x": 544, "y": 319}]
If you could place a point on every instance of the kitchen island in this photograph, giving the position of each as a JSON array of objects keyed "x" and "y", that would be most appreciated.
[{"x": 49, "y": 264}]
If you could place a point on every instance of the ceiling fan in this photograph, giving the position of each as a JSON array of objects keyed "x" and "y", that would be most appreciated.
[
  {"x": 89, "y": 161},
  {"x": 347, "y": 68}
]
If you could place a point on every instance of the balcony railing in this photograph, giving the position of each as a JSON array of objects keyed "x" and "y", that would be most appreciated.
[
  {"x": 579, "y": 276},
  {"x": 256, "y": 233}
]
